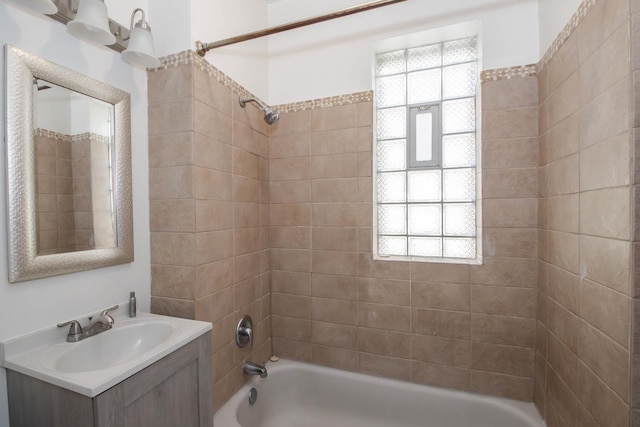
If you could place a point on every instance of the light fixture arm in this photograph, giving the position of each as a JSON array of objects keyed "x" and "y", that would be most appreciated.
[
  {"x": 142, "y": 23},
  {"x": 140, "y": 51},
  {"x": 71, "y": 7}
]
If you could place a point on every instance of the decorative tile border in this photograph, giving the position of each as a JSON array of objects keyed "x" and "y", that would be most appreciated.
[
  {"x": 174, "y": 60},
  {"x": 71, "y": 138},
  {"x": 52, "y": 135},
  {"x": 533, "y": 69},
  {"x": 333, "y": 101},
  {"x": 571, "y": 26},
  {"x": 508, "y": 73},
  {"x": 220, "y": 77},
  {"x": 81, "y": 137},
  {"x": 188, "y": 57}
]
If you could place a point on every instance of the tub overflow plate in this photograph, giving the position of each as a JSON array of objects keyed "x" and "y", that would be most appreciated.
[{"x": 253, "y": 396}]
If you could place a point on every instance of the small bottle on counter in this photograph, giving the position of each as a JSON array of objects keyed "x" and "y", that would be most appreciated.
[{"x": 132, "y": 304}]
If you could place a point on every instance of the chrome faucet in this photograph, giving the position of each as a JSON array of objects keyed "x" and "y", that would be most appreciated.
[
  {"x": 103, "y": 322},
  {"x": 252, "y": 368}
]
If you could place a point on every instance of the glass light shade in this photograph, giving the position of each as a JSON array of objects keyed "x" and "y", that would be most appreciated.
[
  {"x": 46, "y": 7},
  {"x": 92, "y": 23},
  {"x": 140, "y": 52}
]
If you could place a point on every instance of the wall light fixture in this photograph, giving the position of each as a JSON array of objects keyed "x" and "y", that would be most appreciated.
[
  {"x": 88, "y": 20},
  {"x": 92, "y": 23},
  {"x": 140, "y": 52}
]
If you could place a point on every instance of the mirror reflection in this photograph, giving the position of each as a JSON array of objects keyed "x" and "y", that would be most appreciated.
[
  {"x": 69, "y": 199},
  {"x": 73, "y": 159}
]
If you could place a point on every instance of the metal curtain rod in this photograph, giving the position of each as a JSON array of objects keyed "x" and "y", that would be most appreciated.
[{"x": 203, "y": 48}]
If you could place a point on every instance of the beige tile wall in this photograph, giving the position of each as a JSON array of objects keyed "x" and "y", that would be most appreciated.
[
  {"x": 103, "y": 230},
  {"x": 209, "y": 214},
  {"x": 586, "y": 205},
  {"x": 635, "y": 114},
  {"x": 546, "y": 317},
  {"x": 459, "y": 326},
  {"x": 81, "y": 169},
  {"x": 53, "y": 194},
  {"x": 65, "y": 195},
  {"x": 73, "y": 188}
]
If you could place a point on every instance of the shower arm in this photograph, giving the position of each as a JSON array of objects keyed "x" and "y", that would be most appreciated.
[
  {"x": 203, "y": 48},
  {"x": 243, "y": 102}
]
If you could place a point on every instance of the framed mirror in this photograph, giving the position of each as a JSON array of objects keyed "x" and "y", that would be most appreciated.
[{"x": 69, "y": 196}]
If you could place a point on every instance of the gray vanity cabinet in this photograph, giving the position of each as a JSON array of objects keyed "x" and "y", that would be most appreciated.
[{"x": 176, "y": 391}]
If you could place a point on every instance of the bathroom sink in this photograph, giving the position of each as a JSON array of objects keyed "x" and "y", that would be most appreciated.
[
  {"x": 113, "y": 347},
  {"x": 99, "y": 362}
]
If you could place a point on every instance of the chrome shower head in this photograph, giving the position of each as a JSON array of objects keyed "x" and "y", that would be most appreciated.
[{"x": 270, "y": 116}]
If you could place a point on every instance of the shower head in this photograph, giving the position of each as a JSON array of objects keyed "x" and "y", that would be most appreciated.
[{"x": 270, "y": 116}]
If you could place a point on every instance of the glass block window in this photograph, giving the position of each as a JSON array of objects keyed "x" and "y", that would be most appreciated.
[{"x": 426, "y": 150}]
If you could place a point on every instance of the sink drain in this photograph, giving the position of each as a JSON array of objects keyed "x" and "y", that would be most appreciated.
[{"x": 253, "y": 396}]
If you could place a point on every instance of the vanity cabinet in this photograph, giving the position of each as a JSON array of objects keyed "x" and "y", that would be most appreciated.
[{"x": 175, "y": 391}]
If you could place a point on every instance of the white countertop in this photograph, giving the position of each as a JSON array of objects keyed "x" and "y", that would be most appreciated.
[{"x": 32, "y": 354}]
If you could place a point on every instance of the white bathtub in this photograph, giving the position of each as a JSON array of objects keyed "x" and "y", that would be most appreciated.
[{"x": 300, "y": 395}]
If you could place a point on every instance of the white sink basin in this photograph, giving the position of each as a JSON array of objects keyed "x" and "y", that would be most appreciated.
[
  {"x": 112, "y": 347},
  {"x": 97, "y": 363}
]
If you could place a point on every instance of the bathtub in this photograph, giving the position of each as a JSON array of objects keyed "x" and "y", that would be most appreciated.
[{"x": 301, "y": 395}]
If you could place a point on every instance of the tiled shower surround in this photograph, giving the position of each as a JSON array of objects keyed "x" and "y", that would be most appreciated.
[
  {"x": 74, "y": 204},
  {"x": 586, "y": 231},
  {"x": 277, "y": 221},
  {"x": 458, "y": 326},
  {"x": 588, "y": 92},
  {"x": 209, "y": 214}
]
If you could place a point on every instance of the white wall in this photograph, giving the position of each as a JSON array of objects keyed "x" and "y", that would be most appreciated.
[
  {"x": 53, "y": 109},
  {"x": 80, "y": 119},
  {"x": 36, "y": 304},
  {"x": 178, "y": 25},
  {"x": 71, "y": 113},
  {"x": 554, "y": 15},
  {"x": 101, "y": 116},
  {"x": 170, "y": 23},
  {"x": 334, "y": 57},
  {"x": 246, "y": 62}
]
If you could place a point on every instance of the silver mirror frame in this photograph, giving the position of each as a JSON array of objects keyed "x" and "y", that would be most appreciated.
[{"x": 24, "y": 263}]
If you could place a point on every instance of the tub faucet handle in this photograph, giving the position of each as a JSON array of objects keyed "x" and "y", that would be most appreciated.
[{"x": 244, "y": 332}]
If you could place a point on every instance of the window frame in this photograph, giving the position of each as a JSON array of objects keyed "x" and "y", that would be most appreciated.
[
  {"x": 436, "y": 136},
  {"x": 437, "y": 162}
]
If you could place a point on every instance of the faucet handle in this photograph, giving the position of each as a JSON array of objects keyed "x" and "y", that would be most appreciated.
[
  {"x": 75, "y": 328},
  {"x": 106, "y": 312},
  {"x": 244, "y": 332}
]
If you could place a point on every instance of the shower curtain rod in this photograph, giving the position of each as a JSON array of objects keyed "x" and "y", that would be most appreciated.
[{"x": 203, "y": 48}]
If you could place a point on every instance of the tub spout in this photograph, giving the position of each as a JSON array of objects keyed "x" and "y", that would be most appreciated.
[{"x": 252, "y": 368}]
